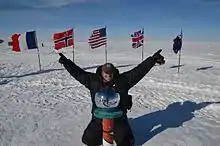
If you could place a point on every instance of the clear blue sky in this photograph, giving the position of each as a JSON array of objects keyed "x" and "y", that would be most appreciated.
[{"x": 199, "y": 19}]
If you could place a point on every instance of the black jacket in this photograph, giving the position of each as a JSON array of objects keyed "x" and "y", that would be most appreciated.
[{"x": 121, "y": 82}]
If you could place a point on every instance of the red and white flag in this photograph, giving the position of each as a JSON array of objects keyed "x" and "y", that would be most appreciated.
[
  {"x": 137, "y": 39},
  {"x": 63, "y": 39},
  {"x": 98, "y": 38}
]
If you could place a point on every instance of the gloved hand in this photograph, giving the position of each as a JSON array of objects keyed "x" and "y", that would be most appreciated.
[
  {"x": 62, "y": 59},
  {"x": 158, "y": 57}
]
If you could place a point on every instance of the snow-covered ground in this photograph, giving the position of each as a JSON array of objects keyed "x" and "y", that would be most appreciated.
[{"x": 50, "y": 108}]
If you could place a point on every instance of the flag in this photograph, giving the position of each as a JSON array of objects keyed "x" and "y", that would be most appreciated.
[
  {"x": 63, "y": 39},
  {"x": 31, "y": 40},
  {"x": 177, "y": 43},
  {"x": 24, "y": 41},
  {"x": 10, "y": 43},
  {"x": 1, "y": 41},
  {"x": 15, "y": 43},
  {"x": 98, "y": 38},
  {"x": 137, "y": 39}
]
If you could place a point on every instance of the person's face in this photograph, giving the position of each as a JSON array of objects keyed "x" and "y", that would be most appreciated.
[{"x": 107, "y": 77}]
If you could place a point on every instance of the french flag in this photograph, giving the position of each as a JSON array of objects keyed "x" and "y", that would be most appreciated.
[{"x": 21, "y": 42}]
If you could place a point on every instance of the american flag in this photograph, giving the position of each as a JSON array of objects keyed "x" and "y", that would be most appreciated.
[
  {"x": 98, "y": 38},
  {"x": 137, "y": 39}
]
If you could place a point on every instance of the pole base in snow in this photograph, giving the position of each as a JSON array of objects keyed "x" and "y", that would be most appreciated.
[{"x": 107, "y": 116}]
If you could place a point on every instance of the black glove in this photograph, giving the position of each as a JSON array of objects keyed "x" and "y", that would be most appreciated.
[
  {"x": 62, "y": 59},
  {"x": 158, "y": 57}
]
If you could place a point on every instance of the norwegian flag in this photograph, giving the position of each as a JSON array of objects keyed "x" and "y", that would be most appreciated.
[
  {"x": 63, "y": 39},
  {"x": 137, "y": 39}
]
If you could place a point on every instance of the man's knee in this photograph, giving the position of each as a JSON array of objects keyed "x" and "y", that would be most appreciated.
[
  {"x": 91, "y": 139},
  {"x": 123, "y": 134},
  {"x": 92, "y": 135},
  {"x": 125, "y": 140}
]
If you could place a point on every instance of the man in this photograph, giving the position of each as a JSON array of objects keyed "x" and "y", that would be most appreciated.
[{"x": 108, "y": 75}]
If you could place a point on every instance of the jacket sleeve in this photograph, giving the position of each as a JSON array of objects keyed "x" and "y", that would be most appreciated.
[
  {"x": 133, "y": 76},
  {"x": 79, "y": 74}
]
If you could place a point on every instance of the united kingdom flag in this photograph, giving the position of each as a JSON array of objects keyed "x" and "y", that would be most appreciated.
[
  {"x": 63, "y": 39},
  {"x": 137, "y": 39}
]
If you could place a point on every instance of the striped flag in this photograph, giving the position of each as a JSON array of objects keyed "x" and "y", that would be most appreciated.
[
  {"x": 21, "y": 42},
  {"x": 98, "y": 38}
]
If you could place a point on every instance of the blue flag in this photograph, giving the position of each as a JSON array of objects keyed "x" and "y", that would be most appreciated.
[
  {"x": 177, "y": 44},
  {"x": 1, "y": 41},
  {"x": 31, "y": 40}
]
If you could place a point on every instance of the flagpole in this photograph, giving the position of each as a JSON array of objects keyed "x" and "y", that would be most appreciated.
[
  {"x": 180, "y": 51},
  {"x": 73, "y": 45},
  {"x": 142, "y": 54},
  {"x": 106, "y": 53},
  {"x": 39, "y": 58},
  {"x": 38, "y": 52},
  {"x": 106, "y": 48},
  {"x": 179, "y": 61}
]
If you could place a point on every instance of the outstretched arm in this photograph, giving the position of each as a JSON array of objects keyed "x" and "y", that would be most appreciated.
[
  {"x": 78, "y": 73},
  {"x": 133, "y": 76}
]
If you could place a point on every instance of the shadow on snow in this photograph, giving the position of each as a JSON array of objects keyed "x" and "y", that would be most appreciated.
[
  {"x": 204, "y": 68},
  {"x": 147, "y": 126},
  {"x": 175, "y": 66}
]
